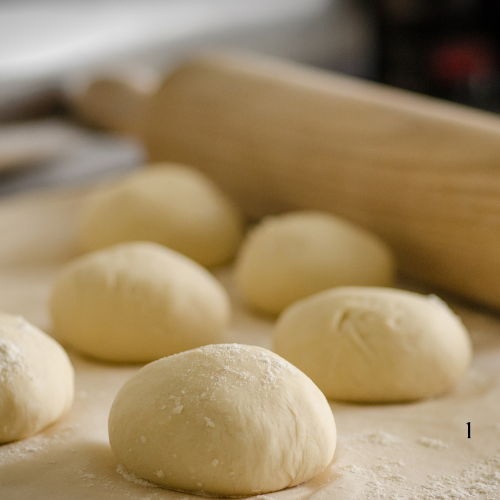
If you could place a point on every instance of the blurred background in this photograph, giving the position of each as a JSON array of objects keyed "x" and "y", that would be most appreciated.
[{"x": 49, "y": 50}]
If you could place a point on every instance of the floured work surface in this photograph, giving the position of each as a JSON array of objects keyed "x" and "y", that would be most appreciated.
[{"x": 407, "y": 451}]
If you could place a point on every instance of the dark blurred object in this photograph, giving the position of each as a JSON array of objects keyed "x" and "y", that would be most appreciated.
[
  {"x": 447, "y": 49},
  {"x": 54, "y": 152},
  {"x": 28, "y": 102}
]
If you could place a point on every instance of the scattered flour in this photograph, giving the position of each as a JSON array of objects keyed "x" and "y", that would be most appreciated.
[
  {"x": 352, "y": 468},
  {"x": 88, "y": 477},
  {"x": 480, "y": 480},
  {"x": 381, "y": 468},
  {"x": 20, "y": 450},
  {"x": 379, "y": 437},
  {"x": 130, "y": 476},
  {"x": 435, "y": 444}
]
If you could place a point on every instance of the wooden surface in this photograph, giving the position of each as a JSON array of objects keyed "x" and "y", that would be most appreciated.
[
  {"x": 423, "y": 174},
  {"x": 115, "y": 100},
  {"x": 419, "y": 451}
]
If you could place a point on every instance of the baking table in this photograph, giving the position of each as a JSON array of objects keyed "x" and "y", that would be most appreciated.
[{"x": 395, "y": 451}]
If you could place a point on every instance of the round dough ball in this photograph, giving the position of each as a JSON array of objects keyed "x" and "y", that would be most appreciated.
[
  {"x": 174, "y": 205},
  {"x": 374, "y": 344},
  {"x": 291, "y": 256},
  {"x": 227, "y": 420},
  {"x": 137, "y": 302},
  {"x": 36, "y": 379}
]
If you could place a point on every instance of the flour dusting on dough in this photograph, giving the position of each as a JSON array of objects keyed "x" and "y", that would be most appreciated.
[{"x": 11, "y": 359}]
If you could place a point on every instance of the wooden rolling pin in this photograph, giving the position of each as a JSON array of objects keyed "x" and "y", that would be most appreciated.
[{"x": 422, "y": 173}]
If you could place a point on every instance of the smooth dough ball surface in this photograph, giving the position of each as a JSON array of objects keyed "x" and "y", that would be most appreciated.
[
  {"x": 222, "y": 420},
  {"x": 174, "y": 205},
  {"x": 291, "y": 256},
  {"x": 36, "y": 379},
  {"x": 137, "y": 302},
  {"x": 374, "y": 344}
]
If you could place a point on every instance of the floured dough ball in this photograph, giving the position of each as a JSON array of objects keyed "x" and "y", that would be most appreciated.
[
  {"x": 36, "y": 379},
  {"x": 223, "y": 420},
  {"x": 137, "y": 302},
  {"x": 291, "y": 256},
  {"x": 374, "y": 344},
  {"x": 174, "y": 205}
]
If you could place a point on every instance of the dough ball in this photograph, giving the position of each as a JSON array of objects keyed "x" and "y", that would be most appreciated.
[
  {"x": 137, "y": 302},
  {"x": 36, "y": 379},
  {"x": 292, "y": 256},
  {"x": 374, "y": 344},
  {"x": 174, "y": 205},
  {"x": 225, "y": 420}
]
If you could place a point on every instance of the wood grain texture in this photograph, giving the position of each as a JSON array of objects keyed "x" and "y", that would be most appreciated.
[
  {"x": 114, "y": 100},
  {"x": 422, "y": 173}
]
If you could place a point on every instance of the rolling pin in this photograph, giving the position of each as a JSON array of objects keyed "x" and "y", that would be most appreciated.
[{"x": 422, "y": 173}]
